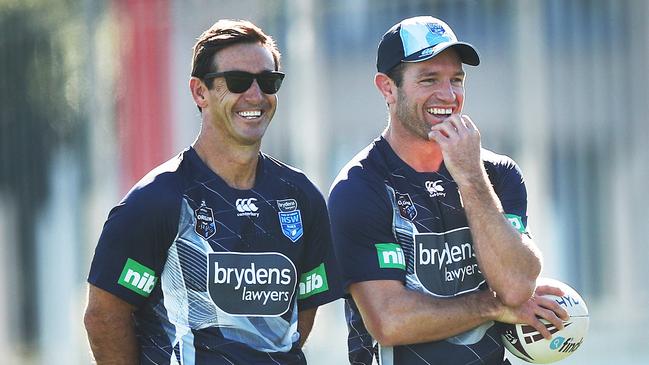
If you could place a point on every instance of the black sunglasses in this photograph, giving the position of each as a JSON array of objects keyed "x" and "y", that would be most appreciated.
[{"x": 240, "y": 81}]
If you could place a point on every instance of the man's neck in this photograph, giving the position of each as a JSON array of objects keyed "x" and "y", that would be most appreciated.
[
  {"x": 422, "y": 155},
  {"x": 236, "y": 164}
]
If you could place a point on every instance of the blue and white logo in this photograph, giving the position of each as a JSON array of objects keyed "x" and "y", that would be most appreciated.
[
  {"x": 421, "y": 33},
  {"x": 290, "y": 219},
  {"x": 205, "y": 225},
  {"x": 406, "y": 208},
  {"x": 556, "y": 343},
  {"x": 291, "y": 224}
]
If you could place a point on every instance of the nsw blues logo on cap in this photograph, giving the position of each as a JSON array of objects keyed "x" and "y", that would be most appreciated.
[
  {"x": 419, "y": 39},
  {"x": 420, "y": 34}
]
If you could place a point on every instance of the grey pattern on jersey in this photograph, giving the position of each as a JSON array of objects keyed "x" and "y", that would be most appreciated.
[
  {"x": 188, "y": 303},
  {"x": 405, "y": 231}
]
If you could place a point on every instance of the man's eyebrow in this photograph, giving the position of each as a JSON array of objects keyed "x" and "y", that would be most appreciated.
[{"x": 436, "y": 73}]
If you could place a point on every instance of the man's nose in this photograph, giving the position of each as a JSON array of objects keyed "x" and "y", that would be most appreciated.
[
  {"x": 254, "y": 92},
  {"x": 446, "y": 92}
]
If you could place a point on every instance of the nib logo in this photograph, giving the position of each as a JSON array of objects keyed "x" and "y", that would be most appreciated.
[
  {"x": 313, "y": 282},
  {"x": 516, "y": 221},
  {"x": 137, "y": 278},
  {"x": 390, "y": 256}
]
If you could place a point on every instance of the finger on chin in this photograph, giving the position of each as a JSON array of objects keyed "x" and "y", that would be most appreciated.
[
  {"x": 446, "y": 128},
  {"x": 441, "y": 129},
  {"x": 436, "y": 136}
]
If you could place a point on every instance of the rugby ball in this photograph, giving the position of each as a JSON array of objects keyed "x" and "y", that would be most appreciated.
[{"x": 528, "y": 344}]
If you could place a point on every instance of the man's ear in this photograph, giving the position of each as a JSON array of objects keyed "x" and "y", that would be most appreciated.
[
  {"x": 386, "y": 87},
  {"x": 199, "y": 91}
]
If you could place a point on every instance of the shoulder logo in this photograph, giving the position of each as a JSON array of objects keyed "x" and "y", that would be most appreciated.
[
  {"x": 313, "y": 282},
  {"x": 516, "y": 221},
  {"x": 205, "y": 225},
  {"x": 435, "y": 188},
  {"x": 290, "y": 219},
  {"x": 390, "y": 256},
  {"x": 406, "y": 208},
  {"x": 246, "y": 207},
  {"x": 137, "y": 277}
]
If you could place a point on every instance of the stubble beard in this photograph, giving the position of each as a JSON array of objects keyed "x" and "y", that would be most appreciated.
[{"x": 407, "y": 115}]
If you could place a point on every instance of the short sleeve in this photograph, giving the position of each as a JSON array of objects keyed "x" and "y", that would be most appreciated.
[
  {"x": 130, "y": 254},
  {"x": 319, "y": 275},
  {"x": 509, "y": 185},
  {"x": 361, "y": 221}
]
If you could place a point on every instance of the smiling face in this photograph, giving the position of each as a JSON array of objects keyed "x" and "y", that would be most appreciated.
[
  {"x": 241, "y": 118},
  {"x": 430, "y": 92}
]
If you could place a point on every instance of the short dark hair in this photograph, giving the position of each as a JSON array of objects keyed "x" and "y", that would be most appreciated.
[
  {"x": 224, "y": 33},
  {"x": 396, "y": 73}
]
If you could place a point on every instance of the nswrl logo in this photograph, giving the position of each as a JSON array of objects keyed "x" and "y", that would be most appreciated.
[
  {"x": 137, "y": 277},
  {"x": 290, "y": 219}
]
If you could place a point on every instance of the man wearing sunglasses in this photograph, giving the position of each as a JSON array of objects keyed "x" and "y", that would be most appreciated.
[
  {"x": 223, "y": 254},
  {"x": 431, "y": 229}
]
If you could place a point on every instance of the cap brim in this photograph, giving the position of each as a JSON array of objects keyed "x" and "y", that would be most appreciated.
[{"x": 467, "y": 53}]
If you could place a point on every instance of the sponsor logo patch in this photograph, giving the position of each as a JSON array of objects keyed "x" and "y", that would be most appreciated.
[
  {"x": 313, "y": 282},
  {"x": 435, "y": 188},
  {"x": 205, "y": 225},
  {"x": 246, "y": 207},
  {"x": 138, "y": 278},
  {"x": 426, "y": 52},
  {"x": 251, "y": 284},
  {"x": 445, "y": 263},
  {"x": 390, "y": 256},
  {"x": 516, "y": 221},
  {"x": 406, "y": 208},
  {"x": 290, "y": 219},
  {"x": 436, "y": 29},
  {"x": 287, "y": 205}
]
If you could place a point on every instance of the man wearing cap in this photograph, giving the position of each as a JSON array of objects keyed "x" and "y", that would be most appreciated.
[{"x": 430, "y": 229}]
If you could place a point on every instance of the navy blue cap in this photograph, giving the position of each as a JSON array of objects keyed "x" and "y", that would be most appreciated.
[{"x": 419, "y": 39}]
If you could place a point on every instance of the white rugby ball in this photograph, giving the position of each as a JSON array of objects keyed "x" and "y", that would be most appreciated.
[{"x": 528, "y": 344}]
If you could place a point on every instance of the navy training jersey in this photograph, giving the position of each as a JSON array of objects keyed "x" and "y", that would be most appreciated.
[
  {"x": 217, "y": 274},
  {"x": 390, "y": 222}
]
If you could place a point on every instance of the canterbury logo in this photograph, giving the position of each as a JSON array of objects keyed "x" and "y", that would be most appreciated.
[
  {"x": 247, "y": 207},
  {"x": 434, "y": 188}
]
